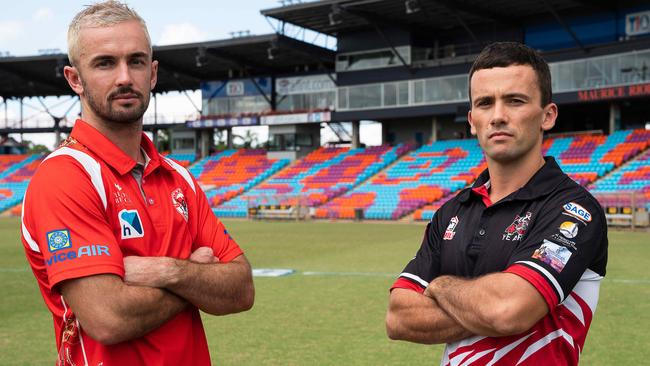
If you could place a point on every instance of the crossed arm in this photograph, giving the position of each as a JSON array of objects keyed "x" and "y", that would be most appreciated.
[
  {"x": 154, "y": 291},
  {"x": 452, "y": 308}
]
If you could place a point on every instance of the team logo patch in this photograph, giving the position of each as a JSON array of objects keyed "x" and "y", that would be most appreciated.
[
  {"x": 552, "y": 254},
  {"x": 451, "y": 229},
  {"x": 130, "y": 224},
  {"x": 58, "y": 239},
  {"x": 178, "y": 200},
  {"x": 577, "y": 211},
  {"x": 517, "y": 229},
  {"x": 569, "y": 229}
]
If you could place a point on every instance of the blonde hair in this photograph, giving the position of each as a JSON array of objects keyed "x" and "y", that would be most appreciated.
[{"x": 104, "y": 14}]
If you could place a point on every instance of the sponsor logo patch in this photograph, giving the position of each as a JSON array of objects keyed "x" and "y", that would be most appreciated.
[
  {"x": 92, "y": 250},
  {"x": 552, "y": 254},
  {"x": 451, "y": 229},
  {"x": 58, "y": 239},
  {"x": 569, "y": 229},
  {"x": 130, "y": 224},
  {"x": 577, "y": 211},
  {"x": 178, "y": 200},
  {"x": 517, "y": 229}
]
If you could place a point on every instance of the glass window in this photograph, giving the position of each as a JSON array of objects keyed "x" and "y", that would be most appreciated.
[
  {"x": 343, "y": 98},
  {"x": 418, "y": 91},
  {"x": 403, "y": 93},
  {"x": 303, "y": 139},
  {"x": 366, "y": 96},
  {"x": 390, "y": 94}
]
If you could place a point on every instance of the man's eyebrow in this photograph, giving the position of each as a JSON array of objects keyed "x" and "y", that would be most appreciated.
[
  {"x": 516, "y": 96},
  {"x": 102, "y": 58},
  {"x": 139, "y": 54}
]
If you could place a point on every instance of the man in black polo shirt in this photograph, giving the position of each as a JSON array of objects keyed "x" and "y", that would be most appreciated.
[{"x": 509, "y": 270}]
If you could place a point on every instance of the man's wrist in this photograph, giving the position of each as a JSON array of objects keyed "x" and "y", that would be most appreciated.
[{"x": 174, "y": 269}]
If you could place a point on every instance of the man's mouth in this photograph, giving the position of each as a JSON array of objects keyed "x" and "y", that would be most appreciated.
[{"x": 499, "y": 134}]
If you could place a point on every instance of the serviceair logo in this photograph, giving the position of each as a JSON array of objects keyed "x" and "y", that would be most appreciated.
[
  {"x": 577, "y": 211},
  {"x": 130, "y": 224},
  {"x": 92, "y": 250}
]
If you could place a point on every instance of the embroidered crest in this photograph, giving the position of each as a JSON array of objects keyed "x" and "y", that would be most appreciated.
[
  {"x": 517, "y": 229},
  {"x": 178, "y": 200},
  {"x": 451, "y": 229}
]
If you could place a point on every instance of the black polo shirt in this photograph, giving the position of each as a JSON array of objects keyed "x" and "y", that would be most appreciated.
[{"x": 552, "y": 232}]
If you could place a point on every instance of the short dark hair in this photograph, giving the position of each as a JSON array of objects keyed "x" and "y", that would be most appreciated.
[{"x": 504, "y": 54}]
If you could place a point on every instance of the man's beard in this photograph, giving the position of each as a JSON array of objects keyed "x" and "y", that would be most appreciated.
[{"x": 105, "y": 110}]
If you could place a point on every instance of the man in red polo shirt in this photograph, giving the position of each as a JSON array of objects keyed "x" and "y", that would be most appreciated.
[{"x": 122, "y": 241}]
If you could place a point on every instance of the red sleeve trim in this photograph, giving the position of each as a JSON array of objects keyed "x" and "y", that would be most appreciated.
[
  {"x": 538, "y": 281},
  {"x": 407, "y": 284}
]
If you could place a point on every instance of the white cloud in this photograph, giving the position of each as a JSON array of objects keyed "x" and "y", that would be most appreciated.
[
  {"x": 42, "y": 14},
  {"x": 10, "y": 30},
  {"x": 181, "y": 33}
]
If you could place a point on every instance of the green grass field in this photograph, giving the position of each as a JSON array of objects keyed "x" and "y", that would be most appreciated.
[{"x": 336, "y": 315}]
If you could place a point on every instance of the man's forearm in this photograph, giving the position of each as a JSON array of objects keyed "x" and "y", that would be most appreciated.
[
  {"x": 495, "y": 305},
  {"x": 112, "y": 312},
  {"x": 216, "y": 288},
  {"x": 416, "y": 318}
]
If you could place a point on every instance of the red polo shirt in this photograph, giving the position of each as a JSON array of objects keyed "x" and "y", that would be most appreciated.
[{"x": 84, "y": 211}]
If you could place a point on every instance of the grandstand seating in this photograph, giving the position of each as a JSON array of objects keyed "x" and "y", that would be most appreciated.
[
  {"x": 317, "y": 178},
  {"x": 231, "y": 172},
  {"x": 586, "y": 158},
  {"x": 616, "y": 189},
  {"x": 183, "y": 159},
  {"x": 15, "y": 172},
  {"x": 423, "y": 176}
]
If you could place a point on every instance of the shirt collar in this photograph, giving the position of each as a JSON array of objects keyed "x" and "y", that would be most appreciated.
[
  {"x": 543, "y": 182},
  {"x": 104, "y": 148}
]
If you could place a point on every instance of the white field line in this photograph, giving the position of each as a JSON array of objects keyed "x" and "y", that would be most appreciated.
[{"x": 364, "y": 274}]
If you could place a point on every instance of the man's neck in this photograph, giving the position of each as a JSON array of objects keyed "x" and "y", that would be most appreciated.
[
  {"x": 126, "y": 137},
  {"x": 507, "y": 178}
]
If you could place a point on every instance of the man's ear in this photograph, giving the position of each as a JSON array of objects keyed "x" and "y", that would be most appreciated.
[
  {"x": 472, "y": 130},
  {"x": 550, "y": 115},
  {"x": 154, "y": 74},
  {"x": 74, "y": 79}
]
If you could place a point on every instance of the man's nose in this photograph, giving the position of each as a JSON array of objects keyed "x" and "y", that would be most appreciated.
[
  {"x": 123, "y": 74},
  {"x": 499, "y": 114}
]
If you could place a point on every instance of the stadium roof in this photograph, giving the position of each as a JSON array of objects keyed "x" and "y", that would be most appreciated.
[
  {"x": 340, "y": 16},
  {"x": 182, "y": 67}
]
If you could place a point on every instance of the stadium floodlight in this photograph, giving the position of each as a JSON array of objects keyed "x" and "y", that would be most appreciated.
[
  {"x": 201, "y": 59},
  {"x": 412, "y": 6},
  {"x": 335, "y": 16}
]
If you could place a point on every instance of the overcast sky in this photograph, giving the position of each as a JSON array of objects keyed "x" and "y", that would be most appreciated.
[{"x": 28, "y": 27}]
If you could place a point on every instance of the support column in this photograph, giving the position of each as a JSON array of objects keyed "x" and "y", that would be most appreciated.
[
  {"x": 614, "y": 117},
  {"x": 434, "y": 129},
  {"x": 229, "y": 137},
  {"x": 155, "y": 139},
  {"x": 21, "y": 120},
  {"x": 206, "y": 142},
  {"x": 356, "y": 139}
]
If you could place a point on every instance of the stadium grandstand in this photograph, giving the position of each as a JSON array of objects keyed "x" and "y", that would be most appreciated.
[{"x": 401, "y": 64}]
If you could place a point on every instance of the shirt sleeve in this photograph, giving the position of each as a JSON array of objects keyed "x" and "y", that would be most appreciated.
[
  {"x": 425, "y": 266},
  {"x": 567, "y": 241},
  {"x": 211, "y": 231},
  {"x": 66, "y": 219}
]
